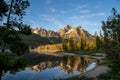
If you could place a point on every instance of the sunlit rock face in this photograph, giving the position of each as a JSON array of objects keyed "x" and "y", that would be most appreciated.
[
  {"x": 44, "y": 33},
  {"x": 66, "y": 32},
  {"x": 74, "y": 32},
  {"x": 68, "y": 64}
]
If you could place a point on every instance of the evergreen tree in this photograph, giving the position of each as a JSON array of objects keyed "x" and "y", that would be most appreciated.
[
  {"x": 111, "y": 29},
  {"x": 71, "y": 45},
  {"x": 9, "y": 34},
  {"x": 78, "y": 45},
  {"x": 15, "y": 10},
  {"x": 64, "y": 44},
  {"x": 102, "y": 40},
  {"x": 3, "y": 9},
  {"x": 97, "y": 41},
  {"x": 82, "y": 42}
]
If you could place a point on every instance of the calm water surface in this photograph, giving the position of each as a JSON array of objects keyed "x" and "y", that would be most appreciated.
[{"x": 49, "y": 70}]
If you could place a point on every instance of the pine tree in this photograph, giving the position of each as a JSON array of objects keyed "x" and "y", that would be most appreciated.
[
  {"x": 10, "y": 30},
  {"x": 111, "y": 29},
  {"x": 3, "y": 9},
  {"x": 102, "y": 40},
  {"x": 82, "y": 42},
  {"x": 9, "y": 34},
  {"x": 64, "y": 44},
  {"x": 71, "y": 44}
]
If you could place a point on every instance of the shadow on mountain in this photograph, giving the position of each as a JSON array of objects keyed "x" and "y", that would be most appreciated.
[{"x": 35, "y": 40}]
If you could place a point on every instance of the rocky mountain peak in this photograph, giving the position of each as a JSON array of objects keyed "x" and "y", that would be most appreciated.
[
  {"x": 38, "y": 29},
  {"x": 44, "y": 33},
  {"x": 66, "y": 31},
  {"x": 67, "y": 27}
]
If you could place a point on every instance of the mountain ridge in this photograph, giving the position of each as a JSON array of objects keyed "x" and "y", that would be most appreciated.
[
  {"x": 42, "y": 37},
  {"x": 45, "y": 33},
  {"x": 67, "y": 31}
]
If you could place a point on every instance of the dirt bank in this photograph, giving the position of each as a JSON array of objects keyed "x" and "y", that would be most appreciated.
[{"x": 95, "y": 72}]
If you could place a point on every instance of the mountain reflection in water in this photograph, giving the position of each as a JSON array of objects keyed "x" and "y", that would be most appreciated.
[
  {"x": 68, "y": 64},
  {"x": 48, "y": 70}
]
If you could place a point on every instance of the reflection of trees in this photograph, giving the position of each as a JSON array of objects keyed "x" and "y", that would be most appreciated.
[
  {"x": 11, "y": 63},
  {"x": 75, "y": 63}
]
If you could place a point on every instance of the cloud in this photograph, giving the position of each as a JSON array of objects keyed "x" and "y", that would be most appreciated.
[
  {"x": 62, "y": 11},
  {"x": 98, "y": 14},
  {"x": 50, "y": 6},
  {"x": 52, "y": 9},
  {"x": 88, "y": 21},
  {"x": 92, "y": 15},
  {"x": 84, "y": 11},
  {"x": 76, "y": 9},
  {"x": 54, "y": 21},
  {"x": 87, "y": 16},
  {"x": 51, "y": 20},
  {"x": 81, "y": 7},
  {"x": 48, "y": 2},
  {"x": 35, "y": 23}
]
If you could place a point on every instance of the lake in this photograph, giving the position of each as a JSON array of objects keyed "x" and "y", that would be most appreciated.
[{"x": 64, "y": 67}]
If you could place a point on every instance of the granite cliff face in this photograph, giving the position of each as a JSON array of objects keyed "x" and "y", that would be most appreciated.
[
  {"x": 44, "y": 33},
  {"x": 75, "y": 32},
  {"x": 67, "y": 31},
  {"x": 64, "y": 30}
]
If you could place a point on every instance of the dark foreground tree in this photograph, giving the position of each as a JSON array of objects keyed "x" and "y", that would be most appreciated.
[
  {"x": 111, "y": 29},
  {"x": 3, "y": 9},
  {"x": 12, "y": 12},
  {"x": 9, "y": 35}
]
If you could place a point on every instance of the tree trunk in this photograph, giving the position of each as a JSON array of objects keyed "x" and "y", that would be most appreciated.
[
  {"x": 9, "y": 13},
  {"x": 3, "y": 47},
  {"x": 0, "y": 74}
]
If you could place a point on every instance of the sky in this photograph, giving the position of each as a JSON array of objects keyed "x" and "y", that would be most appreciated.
[{"x": 55, "y": 14}]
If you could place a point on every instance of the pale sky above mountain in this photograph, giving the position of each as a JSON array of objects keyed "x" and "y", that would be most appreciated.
[{"x": 55, "y": 14}]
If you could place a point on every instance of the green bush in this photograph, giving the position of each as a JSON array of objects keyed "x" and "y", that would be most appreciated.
[
  {"x": 19, "y": 48},
  {"x": 26, "y": 30}
]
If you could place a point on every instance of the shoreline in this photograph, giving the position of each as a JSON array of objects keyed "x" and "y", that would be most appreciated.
[
  {"x": 99, "y": 69},
  {"x": 93, "y": 73}
]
